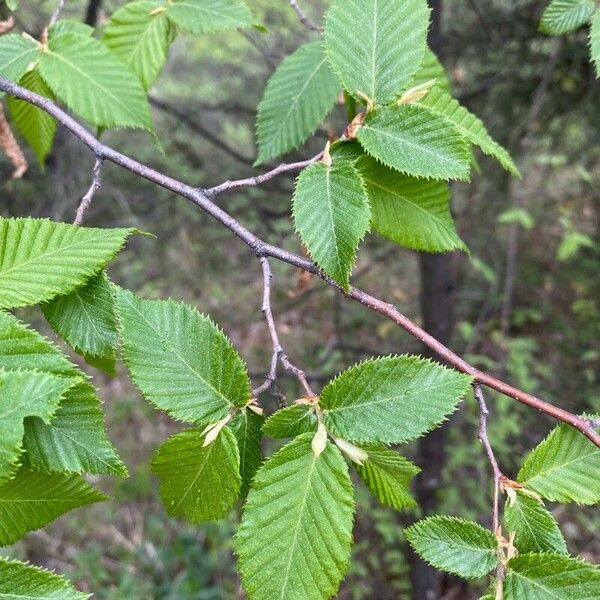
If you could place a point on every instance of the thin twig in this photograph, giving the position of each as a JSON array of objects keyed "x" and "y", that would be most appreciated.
[
  {"x": 86, "y": 201},
  {"x": 56, "y": 14},
  {"x": 303, "y": 18},
  {"x": 202, "y": 199}
]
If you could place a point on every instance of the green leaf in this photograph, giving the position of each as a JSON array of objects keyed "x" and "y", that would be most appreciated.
[
  {"x": 415, "y": 141},
  {"x": 535, "y": 528},
  {"x": 443, "y": 104},
  {"x": 85, "y": 319},
  {"x": 551, "y": 576},
  {"x": 198, "y": 483},
  {"x": 35, "y": 125},
  {"x": 92, "y": 82},
  {"x": 247, "y": 430},
  {"x": 411, "y": 212},
  {"x": 562, "y": 16},
  {"x": 391, "y": 399},
  {"x": 565, "y": 467},
  {"x": 140, "y": 37},
  {"x": 454, "y": 545},
  {"x": 31, "y": 500},
  {"x": 17, "y": 54},
  {"x": 70, "y": 26},
  {"x": 18, "y": 580},
  {"x": 432, "y": 69},
  {"x": 331, "y": 214},
  {"x": 516, "y": 215},
  {"x": 205, "y": 16},
  {"x": 180, "y": 360},
  {"x": 291, "y": 422},
  {"x": 296, "y": 531},
  {"x": 595, "y": 41},
  {"x": 297, "y": 98},
  {"x": 388, "y": 475},
  {"x": 25, "y": 394},
  {"x": 572, "y": 242},
  {"x": 376, "y": 46},
  {"x": 40, "y": 259}
]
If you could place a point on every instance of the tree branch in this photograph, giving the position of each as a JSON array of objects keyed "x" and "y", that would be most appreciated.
[
  {"x": 303, "y": 18},
  {"x": 86, "y": 201},
  {"x": 262, "y": 249}
]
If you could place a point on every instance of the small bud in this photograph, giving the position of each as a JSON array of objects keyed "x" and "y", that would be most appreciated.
[
  {"x": 257, "y": 410},
  {"x": 327, "y": 155},
  {"x": 320, "y": 440},
  {"x": 354, "y": 453},
  {"x": 212, "y": 431},
  {"x": 416, "y": 93}
]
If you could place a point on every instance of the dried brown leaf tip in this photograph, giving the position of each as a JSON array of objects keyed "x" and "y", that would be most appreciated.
[
  {"x": 353, "y": 128},
  {"x": 11, "y": 148},
  {"x": 6, "y": 26}
]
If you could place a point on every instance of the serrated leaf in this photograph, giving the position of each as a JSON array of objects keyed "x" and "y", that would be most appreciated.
[
  {"x": 291, "y": 422},
  {"x": 298, "y": 96},
  {"x": 31, "y": 500},
  {"x": 443, "y": 104},
  {"x": 92, "y": 82},
  {"x": 545, "y": 576},
  {"x": 432, "y": 69},
  {"x": 391, "y": 399},
  {"x": 198, "y": 483},
  {"x": 388, "y": 475},
  {"x": 414, "y": 141},
  {"x": 454, "y": 545},
  {"x": 331, "y": 214},
  {"x": 18, "y": 580},
  {"x": 180, "y": 360},
  {"x": 535, "y": 528},
  {"x": 17, "y": 54},
  {"x": 296, "y": 531},
  {"x": 40, "y": 259},
  {"x": 85, "y": 319},
  {"x": 35, "y": 125},
  {"x": 595, "y": 41},
  {"x": 205, "y": 16},
  {"x": 376, "y": 46},
  {"x": 247, "y": 430},
  {"x": 140, "y": 36},
  {"x": 70, "y": 26},
  {"x": 562, "y": 16},
  {"x": 565, "y": 467},
  {"x": 411, "y": 212},
  {"x": 346, "y": 150}
]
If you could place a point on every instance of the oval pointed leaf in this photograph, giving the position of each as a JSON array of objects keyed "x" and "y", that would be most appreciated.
[
  {"x": 291, "y": 422},
  {"x": 247, "y": 430},
  {"x": 391, "y": 399},
  {"x": 17, "y": 54},
  {"x": 205, "y": 16},
  {"x": 198, "y": 483},
  {"x": 562, "y": 16},
  {"x": 331, "y": 214},
  {"x": 376, "y": 46}
]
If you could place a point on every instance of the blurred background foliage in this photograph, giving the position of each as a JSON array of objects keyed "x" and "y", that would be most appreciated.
[{"x": 526, "y": 301}]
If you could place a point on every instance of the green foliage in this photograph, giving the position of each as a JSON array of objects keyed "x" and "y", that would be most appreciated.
[
  {"x": 392, "y": 399},
  {"x": 388, "y": 475},
  {"x": 199, "y": 483},
  {"x": 376, "y": 47},
  {"x": 562, "y": 16},
  {"x": 40, "y": 259},
  {"x": 32, "y": 499},
  {"x": 298, "y": 96},
  {"x": 180, "y": 360},
  {"x": 291, "y": 422},
  {"x": 296, "y": 530},
  {"x": 70, "y": 26},
  {"x": 595, "y": 41},
  {"x": 331, "y": 214},
  {"x": 247, "y": 430},
  {"x": 17, "y": 53},
  {"x": 431, "y": 69},
  {"x": 415, "y": 141},
  {"x": 535, "y": 528},
  {"x": 202, "y": 16},
  {"x": 454, "y": 545},
  {"x": 565, "y": 467}
]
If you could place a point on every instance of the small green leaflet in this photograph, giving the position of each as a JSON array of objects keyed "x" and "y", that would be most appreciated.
[
  {"x": 535, "y": 528},
  {"x": 297, "y": 98},
  {"x": 31, "y": 500},
  {"x": 391, "y": 399},
  {"x": 388, "y": 475},
  {"x": 565, "y": 467},
  {"x": 331, "y": 214},
  {"x": 40, "y": 259},
  {"x": 85, "y": 319},
  {"x": 33, "y": 123},
  {"x": 296, "y": 531},
  {"x": 595, "y": 41},
  {"x": 548, "y": 576},
  {"x": 562, "y": 16},
  {"x": 180, "y": 360},
  {"x": 92, "y": 82},
  {"x": 140, "y": 36},
  {"x": 431, "y": 69},
  {"x": 291, "y": 421},
  {"x": 376, "y": 46},
  {"x": 18, "y": 580},
  {"x": 247, "y": 430},
  {"x": 25, "y": 394},
  {"x": 461, "y": 547},
  {"x": 198, "y": 483},
  {"x": 12, "y": 4},
  {"x": 414, "y": 141},
  {"x": 411, "y": 212},
  {"x": 17, "y": 54},
  {"x": 205, "y": 16}
]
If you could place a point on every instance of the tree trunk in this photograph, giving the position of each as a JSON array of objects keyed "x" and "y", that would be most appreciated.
[{"x": 93, "y": 12}]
